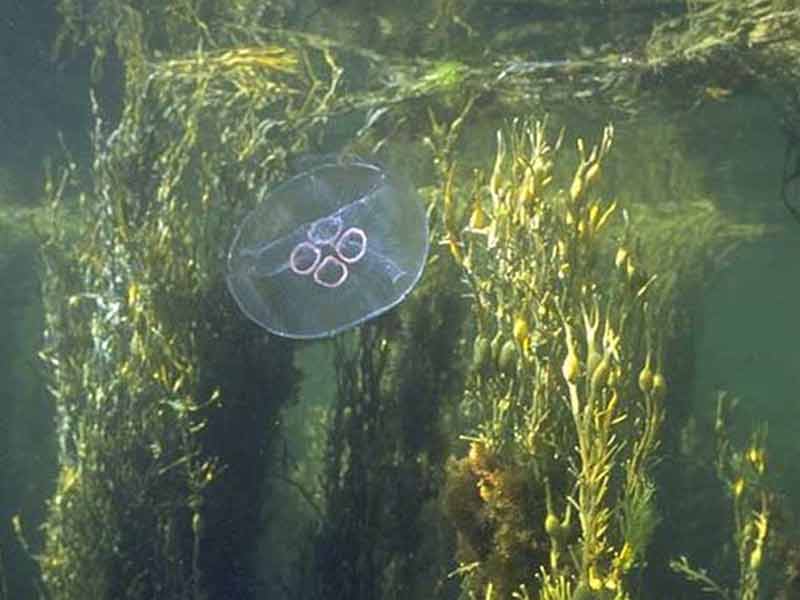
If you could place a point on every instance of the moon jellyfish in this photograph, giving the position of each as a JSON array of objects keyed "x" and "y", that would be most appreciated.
[{"x": 328, "y": 249}]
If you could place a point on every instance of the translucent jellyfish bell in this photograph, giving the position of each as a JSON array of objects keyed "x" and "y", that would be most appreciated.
[{"x": 328, "y": 249}]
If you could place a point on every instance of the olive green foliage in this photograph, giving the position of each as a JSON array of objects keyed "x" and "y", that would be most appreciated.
[
  {"x": 133, "y": 30},
  {"x": 132, "y": 478},
  {"x": 566, "y": 388},
  {"x": 381, "y": 535},
  {"x": 720, "y": 47},
  {"x": 151, "y": 366},
  {"x": 760, "y": 526}
]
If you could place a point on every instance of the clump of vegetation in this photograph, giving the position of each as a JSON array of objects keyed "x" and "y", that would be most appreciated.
[
  {"x": 763, "y": 553},
  {"x": 143, "y": 344},
  {"x": 499, "y": 516},
  {"x": 567, "y": 387},
  {"x": 380, "y": 531}
]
